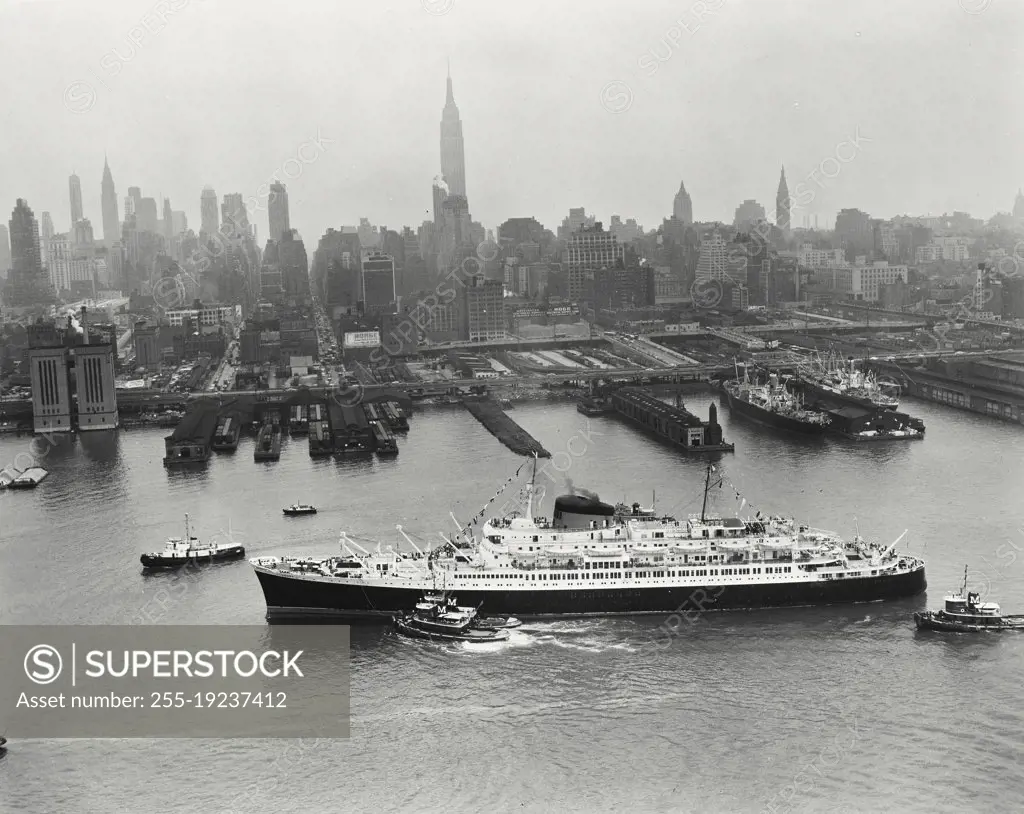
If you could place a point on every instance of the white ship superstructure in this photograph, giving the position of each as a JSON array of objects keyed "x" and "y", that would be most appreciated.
[{"x": 593, "y": 558}]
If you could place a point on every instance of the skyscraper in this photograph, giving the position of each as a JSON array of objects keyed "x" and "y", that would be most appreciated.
[
  {"x": 27, "y": 283},
  {"x": 108, "y": 201},
  {"x": 209, "y": 216},
  {"x": 60, "y": 252},
  {"x": 782, "y": 204},
  {"x": 82, "y": 239},
  {"x": 234, "y": 217},
  {"x": 377, "y": 283},
  {"x": 5, "y": 251},
  {"x": 168, "y": 222},
  {"x": 148, "y": 219},
  {"x": 277, "y": 211},
  {"x": 46, "y": 235},
  {"x": 588, "y": 249},
  {"x": 748, "y": 213},
  {"x": 135, "y": 194},
  {"x": 75, "y": 187},
  {"x": 453, "y": 159},
  {"x": 682, "y": 206},
  {"x": 853, "y": 233},
  {"x": 712, "y": 262}
]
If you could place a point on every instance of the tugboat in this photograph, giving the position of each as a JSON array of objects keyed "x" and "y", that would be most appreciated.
[
  {"x": 180, "y": 551},
  {"x": 966, "y": 613},
  {"x": 3, "y": 746},
  {"x": 299, "y": 508},
  {"x": 593, "y": 406},
  {"x": 438, "y": 618}
]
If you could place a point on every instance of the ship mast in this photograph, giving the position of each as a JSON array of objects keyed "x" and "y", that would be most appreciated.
[
  {"x": 707, "y": 485},
  {"x": 963, "y": 591},
  {"x": 529, "y": 492}
]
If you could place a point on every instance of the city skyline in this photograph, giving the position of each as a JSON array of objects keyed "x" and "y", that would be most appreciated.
[{"x": 385, "y": 174}]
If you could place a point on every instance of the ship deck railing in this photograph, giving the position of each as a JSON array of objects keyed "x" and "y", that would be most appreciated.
[{"x": 579, "y": 565}]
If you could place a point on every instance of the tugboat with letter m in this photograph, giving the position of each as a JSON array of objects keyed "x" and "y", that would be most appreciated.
[
  {"x": 181, "y": 551},
  {"x": 438, "y": 617},
  {"x": 966, "y": 613}
]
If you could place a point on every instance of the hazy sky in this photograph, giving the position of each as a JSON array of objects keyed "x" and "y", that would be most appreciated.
[{"x": 598, "y": 104}]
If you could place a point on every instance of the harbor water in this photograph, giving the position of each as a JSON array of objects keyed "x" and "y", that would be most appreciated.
[{"x": 830, "y": 709}]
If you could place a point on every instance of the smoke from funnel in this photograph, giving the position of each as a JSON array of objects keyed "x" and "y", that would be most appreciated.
[{"x": 576, "y": 490}]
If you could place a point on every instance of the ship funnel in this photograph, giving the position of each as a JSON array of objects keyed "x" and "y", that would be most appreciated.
[{"x": 773, "y": 380}]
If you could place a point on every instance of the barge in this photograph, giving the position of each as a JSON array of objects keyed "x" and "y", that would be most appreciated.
[
  {"x": 873, "y": 424},
  {"x": 385, "y": 442},
  {"x": 321, "y": 442},
  {"x": 395, "y": 416},
  {"x": 225, "y": 439},
  {"x": 268, "y": 444},
  {"x": 24, "y": 479},
  {"x": 298, "y": 423}
]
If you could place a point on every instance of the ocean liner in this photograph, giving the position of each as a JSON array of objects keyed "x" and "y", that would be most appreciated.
[
  {"x": 773, "y": 404},
  {"x": 836, "y": 384},
  {"x": 591, "y": 558}
]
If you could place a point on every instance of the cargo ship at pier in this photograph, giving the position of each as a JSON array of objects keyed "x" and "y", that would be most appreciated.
[
  {"x": 775, "y": 405},
  {"x": 592, "y": 558},
  {"x": 840, "y": 385}
]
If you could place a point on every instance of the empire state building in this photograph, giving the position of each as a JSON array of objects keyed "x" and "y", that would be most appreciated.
[{"x": 453, "y": 159}]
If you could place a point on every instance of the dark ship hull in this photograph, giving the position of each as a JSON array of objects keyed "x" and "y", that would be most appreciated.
[
  {"x": 298, "y": 597},
  {"x": 223, "y": 555},
  {"x": 763, "y": 416}
]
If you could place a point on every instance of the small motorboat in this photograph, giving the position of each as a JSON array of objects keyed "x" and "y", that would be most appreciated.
[
  {"x": 964, "y": 612},
  {"x": 180, "y": 551},
  {"x": 299, "y": 508},
  {"x": 496, "y": 623},
  {"x": 438, "y": 617}
]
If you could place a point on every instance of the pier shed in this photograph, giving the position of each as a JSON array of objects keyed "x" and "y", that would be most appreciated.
[
  {"x": 192, "y": 438},
  {"x": 350, "y": 428},
  {"x": 674, "y": 424}
]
